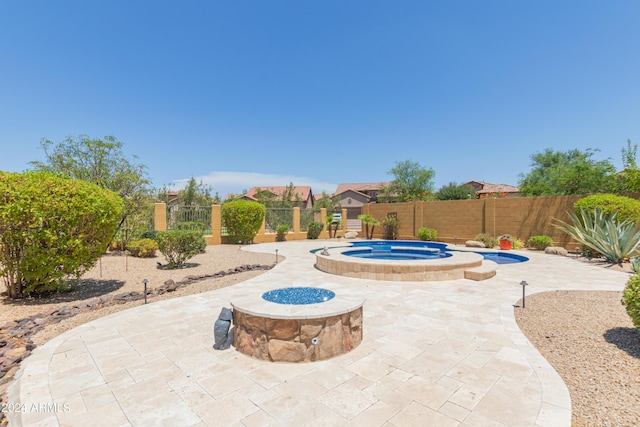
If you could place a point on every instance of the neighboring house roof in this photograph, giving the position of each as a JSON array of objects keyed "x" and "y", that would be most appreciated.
[
  {"x": 317, "y": 196},
  {"x": 356, "y": 192},
  {"x": 302, "y": 191},
  {"x": 486, "y": 187},
  {"x": 361, "y": 187}
]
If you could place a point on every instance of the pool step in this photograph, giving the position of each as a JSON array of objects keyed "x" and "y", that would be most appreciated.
[{"x": 486, "y": 271}]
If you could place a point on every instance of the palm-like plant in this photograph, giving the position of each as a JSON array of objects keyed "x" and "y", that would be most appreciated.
[
  {"x": 615, "y": 240},
  {"x": 368, "y": 220}
]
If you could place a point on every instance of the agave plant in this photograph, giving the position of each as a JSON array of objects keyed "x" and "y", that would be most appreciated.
[{"x": 615, "y": 240}]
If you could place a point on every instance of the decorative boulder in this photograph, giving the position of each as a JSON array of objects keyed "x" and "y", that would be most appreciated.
[
  {"x": 474, "y": 244},
  {"x": 350, "y": 234},
  {"x": 556, "y": 250}
]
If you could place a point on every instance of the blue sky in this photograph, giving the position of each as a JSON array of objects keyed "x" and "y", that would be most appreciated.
[{"x": 247, "y": 93}]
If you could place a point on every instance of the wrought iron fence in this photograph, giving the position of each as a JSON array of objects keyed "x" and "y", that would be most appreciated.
[
  {"x": 278, "y": 216},
  {"x": 189, "y": 218},
  {"x": 307, "y": 216}
]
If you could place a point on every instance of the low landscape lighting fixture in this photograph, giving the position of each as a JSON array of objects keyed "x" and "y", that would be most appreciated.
[
  {"x": 145, "y": 281},
  {"x": 524, "y": 284}
]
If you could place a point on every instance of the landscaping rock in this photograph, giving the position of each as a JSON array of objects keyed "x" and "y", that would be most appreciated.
[
  {"x": 474, "y": 244},
  {"x": 556, "y": 250},
  {"x": 350, "y": 234}
]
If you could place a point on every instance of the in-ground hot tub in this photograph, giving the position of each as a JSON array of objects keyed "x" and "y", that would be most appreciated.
[{"x": 297, "y": 324}]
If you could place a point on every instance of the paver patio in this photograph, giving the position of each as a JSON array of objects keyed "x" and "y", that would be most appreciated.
[{"x": 443, "y": 353}]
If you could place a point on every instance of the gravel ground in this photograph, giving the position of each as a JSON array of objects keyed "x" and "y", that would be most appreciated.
[
  {"x": 586, "y": 335},
  {"x": 591, "y": 342},
  {"x": 117, "y": 273}
]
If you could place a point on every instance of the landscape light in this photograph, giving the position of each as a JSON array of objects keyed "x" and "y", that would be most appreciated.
[
  {"x": 145, "y": 281},
  {"x": 523, "y": 283}
]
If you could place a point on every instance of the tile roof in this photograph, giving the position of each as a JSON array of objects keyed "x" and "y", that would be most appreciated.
[
  {"x": 361, "y": 187},
  {"x": 494, "y": 188}
]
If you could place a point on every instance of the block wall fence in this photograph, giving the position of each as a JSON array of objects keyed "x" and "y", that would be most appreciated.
[{"x": 456, "y": 221}]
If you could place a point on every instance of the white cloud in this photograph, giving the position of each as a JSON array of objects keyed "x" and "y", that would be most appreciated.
[{"x": 235, "y": 182}]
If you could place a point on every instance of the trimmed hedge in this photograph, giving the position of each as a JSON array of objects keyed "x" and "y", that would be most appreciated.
[
  {"x": 243, "y": 219},
  {"x": 51, "y": 229},
  {"x": 626, "y": 207}
]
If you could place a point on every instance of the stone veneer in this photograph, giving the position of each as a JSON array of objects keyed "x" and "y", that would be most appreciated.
[
  {"x": 450, "y": 268},
  {"x": 296, "y": 333},
  {"x": 280, "y": 340}
]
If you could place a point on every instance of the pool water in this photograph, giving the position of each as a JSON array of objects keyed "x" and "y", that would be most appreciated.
[
  {"x": 503, "y": 258},
  {"x": 394, "y": 253},
  {"x": 416, "y": 250}
]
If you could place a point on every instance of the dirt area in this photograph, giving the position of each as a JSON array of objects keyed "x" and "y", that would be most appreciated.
[
  {"x": 117, "y": 273},
  {"x": 589, "y": 339}
]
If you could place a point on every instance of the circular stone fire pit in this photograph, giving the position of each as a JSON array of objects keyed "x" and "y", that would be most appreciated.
[{"x": 297, "y": 324}]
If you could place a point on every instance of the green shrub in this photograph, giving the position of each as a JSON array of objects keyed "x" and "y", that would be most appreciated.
[
  {"x": 453, "y": 191},
  {"x": 631, "y": 299},
  {"x": 142, "y": 248},
  {"x": 635, "y": 264},
  {"x": 281, "y": 232},
  {"x": 488, "y": 240},
  {"x": 540, "y": 242},
  {"x": 390, "y": 226},
  {"x": 243, "y": 219},
  {"x": 517, "y": 244},
  {"x": 609, "y": 204},
  {"x": 149, "y": 234},
  {"x": 427, "y": 234},
  {"x": 52, "y": 229},
  {"x": 178, "y": 246},
  {"x": 314, "y": 230},
  {"x": 616, "y": 241}
]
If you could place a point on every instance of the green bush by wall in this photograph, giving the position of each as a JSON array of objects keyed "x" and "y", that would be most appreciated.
[
  {"x": 51, "y": 229},
  {"x": 243, "y": 219},
  {"x": 625, "y": 207}
]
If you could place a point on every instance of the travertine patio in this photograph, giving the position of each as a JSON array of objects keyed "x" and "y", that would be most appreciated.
[{"x": 445, "y": 353}]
